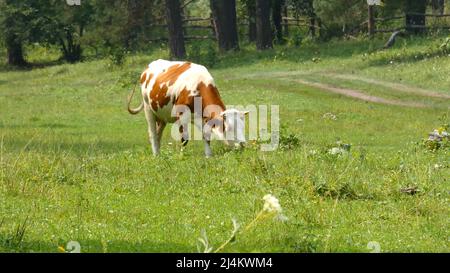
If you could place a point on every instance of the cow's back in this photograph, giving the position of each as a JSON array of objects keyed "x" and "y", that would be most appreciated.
[{"x": 166, "y": 83}]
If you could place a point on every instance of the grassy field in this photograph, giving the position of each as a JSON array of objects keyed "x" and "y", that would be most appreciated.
[{"x": 75, "y": 166}]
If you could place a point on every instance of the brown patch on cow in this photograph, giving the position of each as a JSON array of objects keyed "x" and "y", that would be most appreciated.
[
  {"x": 158, "y": 94},
  {"x": 184, "y": 98},
  {"x": 171, "y": 75},
  {"x": 143, "y": 77},
  {"x": 210, "y": 96},
  {"x": 148, "y": 80}
]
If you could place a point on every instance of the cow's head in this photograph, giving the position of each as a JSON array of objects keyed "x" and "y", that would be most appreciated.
[{"x": 233, "y": 127}]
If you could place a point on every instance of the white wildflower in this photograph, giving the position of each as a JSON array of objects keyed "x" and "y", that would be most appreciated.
[
  {"x": 271, "y": 204},
  {"x": 337, "y": 151},
  {"x": 329, "y": 116}
]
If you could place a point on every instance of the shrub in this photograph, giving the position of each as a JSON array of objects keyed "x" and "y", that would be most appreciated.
[
  {"x": 445, "y": 46},
  {"x": 117, "y": 56},
  {"x": 288, "y": 140},
  {"x": 296, "y": 39},
  {"x": 204, "y": 53},
  {"x": 438, "y": 139}
]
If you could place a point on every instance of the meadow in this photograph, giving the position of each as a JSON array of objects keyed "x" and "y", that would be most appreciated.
[{"x": 75, "y": 166}]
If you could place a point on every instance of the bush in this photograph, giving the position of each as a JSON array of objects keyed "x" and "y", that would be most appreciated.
[
  {"x": 117, "y": 56},
  {"x": 288, "y": 140},
  {"x": 204, "y": 53},
  {"x": 445, "y": 46},
  {"x": 296, "y": 39},
  {"x": 438, "y": 139}
]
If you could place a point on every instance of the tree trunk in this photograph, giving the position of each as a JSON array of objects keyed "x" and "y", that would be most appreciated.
[
  {"x": 286, "y": 22},
  {"x": 224, "y": 14},
  {"x": 371, "y": 21},
  {"x": 312, "y": 26},
  {"x": 251, "y": 20},
  {"x": 263, "y": 27},
  {"x": 13, "y": 42},
  {"x": 175, "y": 26},
  {"x": 415, "y": 15},
  {"x": 277, "y": 19},
  {"x": 14, "y": 51},
  {"x": 72, "y": 50},
  {"x": 320, "y": 26},
  {"x": 134, "y": 23}
]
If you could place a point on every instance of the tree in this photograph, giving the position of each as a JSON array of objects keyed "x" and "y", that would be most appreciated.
[
  {"x": 175, "y": 26},
  {"x": 12, "y": 21},
  {"x": 71, "y": 23},
  {"x": 339, "y": 16},
  {"x": 277, "y": 9},
  {"x": 224, "y": 14},
  {"x": 120, "y": 26},
  {"x": 250, "y": 9},
  {"x": 415, "y": 15},
  {"x": 306, "y": 8},
  {"x": 263, "y": 27},
  {"x": 135, "y": 10}
]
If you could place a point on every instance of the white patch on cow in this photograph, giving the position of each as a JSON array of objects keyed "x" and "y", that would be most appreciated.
[{"x": 189, "y": 80}]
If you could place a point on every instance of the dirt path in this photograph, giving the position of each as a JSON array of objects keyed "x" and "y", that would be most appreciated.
[
  {"x": 358, "y": 94},
  {"x": 396, "y": 86}
]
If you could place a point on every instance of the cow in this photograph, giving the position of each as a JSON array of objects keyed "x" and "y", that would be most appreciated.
[{"x": 171, "y": 86}]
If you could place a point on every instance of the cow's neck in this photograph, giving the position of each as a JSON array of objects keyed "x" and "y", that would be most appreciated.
[{"x": 211, "y": 99}]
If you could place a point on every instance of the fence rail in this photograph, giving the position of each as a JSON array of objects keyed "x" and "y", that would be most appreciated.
[
  {"x": 208, "y": 24},
  {"x": 372, "y": 22}
]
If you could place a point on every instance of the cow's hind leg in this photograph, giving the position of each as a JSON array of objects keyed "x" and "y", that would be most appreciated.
[
  {"x": 152, "y": 130},
  {"x": 183, "y": 121},
  {"x": 160, "y": 130}
]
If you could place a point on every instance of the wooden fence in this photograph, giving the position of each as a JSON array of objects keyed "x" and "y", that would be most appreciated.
[
  {"x": 206, "y": 25},
  {"x": 372, "y": 22}
]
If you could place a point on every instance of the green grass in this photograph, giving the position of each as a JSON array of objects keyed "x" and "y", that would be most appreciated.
[{"x": 74, "y": 166}]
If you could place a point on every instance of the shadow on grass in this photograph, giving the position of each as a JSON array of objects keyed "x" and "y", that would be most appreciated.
[
  {"x": 30, "y": 66},
  {"x": 9, "y": 245},
  {"x": 44, "y": 125},
  {"x": 410, "y": 57},
  {"x": 98, "y": 147}
]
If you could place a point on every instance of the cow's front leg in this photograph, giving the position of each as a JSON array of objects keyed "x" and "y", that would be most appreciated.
[
  {"x": 207, "y": 141},
  {"x": 208, "y": 152},
  {"x": 152, "y": 131}
]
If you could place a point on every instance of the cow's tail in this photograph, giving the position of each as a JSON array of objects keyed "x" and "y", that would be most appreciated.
[{"x": 134, "y": 111}]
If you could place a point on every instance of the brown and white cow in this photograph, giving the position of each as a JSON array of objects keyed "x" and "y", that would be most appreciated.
[{"x": 169, "y": 86}]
